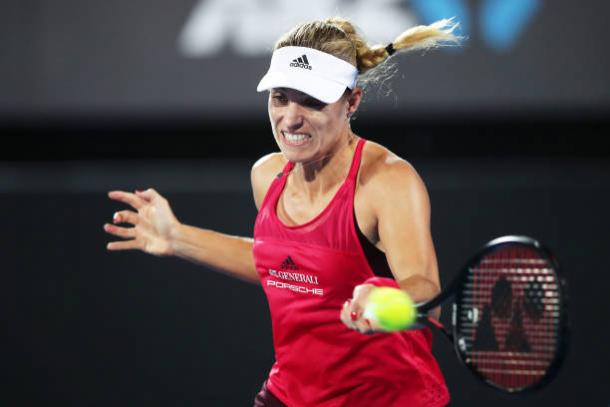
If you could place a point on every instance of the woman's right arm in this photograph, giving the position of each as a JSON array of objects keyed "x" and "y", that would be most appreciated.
[
  {"x": 157, "y": 231},
  {"x": 229, "y": 254}
]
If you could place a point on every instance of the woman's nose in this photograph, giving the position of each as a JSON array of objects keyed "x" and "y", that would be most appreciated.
[{"x": 293, "y": 115}]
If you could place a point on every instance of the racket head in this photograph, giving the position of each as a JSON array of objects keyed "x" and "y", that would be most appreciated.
[{"x": 510, "y": 320}]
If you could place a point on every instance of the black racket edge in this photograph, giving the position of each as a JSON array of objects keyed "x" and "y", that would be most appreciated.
[{"x": 423, "y": 320}]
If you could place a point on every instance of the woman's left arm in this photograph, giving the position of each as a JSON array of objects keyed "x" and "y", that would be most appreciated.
[
  {"x": 401, "y": 205},
  {"x": 403, "y": 219}
]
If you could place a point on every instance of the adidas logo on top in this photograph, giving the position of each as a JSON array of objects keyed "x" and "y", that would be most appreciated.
[
  {"x": 288, "y": 264},
  {"x": 301, "y": 62}
]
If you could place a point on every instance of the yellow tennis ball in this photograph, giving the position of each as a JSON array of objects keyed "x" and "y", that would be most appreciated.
[{"x": 391, "y": 308}]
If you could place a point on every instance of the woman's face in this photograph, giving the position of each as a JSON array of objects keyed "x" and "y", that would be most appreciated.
[{"x": 307, "y": 129}]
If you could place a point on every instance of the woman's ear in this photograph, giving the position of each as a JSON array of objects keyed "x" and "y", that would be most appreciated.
[{"x": 353, "y": 101}]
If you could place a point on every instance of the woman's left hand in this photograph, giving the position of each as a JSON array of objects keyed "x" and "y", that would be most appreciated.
[{"x": 353, "y": 309}]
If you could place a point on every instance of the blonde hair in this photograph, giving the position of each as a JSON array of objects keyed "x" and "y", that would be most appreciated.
[{"x": 338, "y": 36}]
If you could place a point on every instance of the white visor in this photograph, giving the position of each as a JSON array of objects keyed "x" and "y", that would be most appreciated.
[{"x": 308, "y": 70}]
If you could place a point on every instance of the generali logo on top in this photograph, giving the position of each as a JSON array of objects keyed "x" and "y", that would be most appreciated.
[{"x": 250, "y": 27}]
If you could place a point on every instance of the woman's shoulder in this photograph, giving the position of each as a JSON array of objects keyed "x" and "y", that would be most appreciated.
[
  {"x": 388, "y": 181},
  {"x": 264, "y": 170},
  {"x": 382, "y": 167},
  {"x": 269, "y": 163}
]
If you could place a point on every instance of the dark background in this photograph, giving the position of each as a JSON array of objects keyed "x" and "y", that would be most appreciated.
[
  {"x": 508, "y": 141},
  {"x": 96, "y": 58}
]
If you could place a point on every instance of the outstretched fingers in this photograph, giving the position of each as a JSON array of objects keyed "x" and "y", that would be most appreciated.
[
  {"x": 147, "y": 195},
  {"x": 126, "y": 217},
  {"x": 123, "y": 245},
  {"x": 128, "y": 198},
  {"x": 127, "y": 233},
  {"x": 137, "y": 200}
]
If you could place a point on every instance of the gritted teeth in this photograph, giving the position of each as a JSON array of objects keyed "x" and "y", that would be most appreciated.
[{"x": 296, "y": 136}]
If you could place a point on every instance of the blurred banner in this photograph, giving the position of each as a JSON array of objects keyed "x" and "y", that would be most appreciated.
[{"x": 203, "y": 58}]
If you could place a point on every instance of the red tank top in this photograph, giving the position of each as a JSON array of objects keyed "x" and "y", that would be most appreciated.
[{"x": 307, "y": 272}]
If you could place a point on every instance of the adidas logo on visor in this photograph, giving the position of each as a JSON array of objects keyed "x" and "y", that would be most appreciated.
[{"x": 301, "y": 62}]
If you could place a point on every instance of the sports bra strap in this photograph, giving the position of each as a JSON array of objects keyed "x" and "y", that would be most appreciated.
[
  {"x": 353, "y": 171},
  {"x": 286, "y": 170}
]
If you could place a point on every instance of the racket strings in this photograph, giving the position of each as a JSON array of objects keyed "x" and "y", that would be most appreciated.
[{"x": 510, "y": 316}]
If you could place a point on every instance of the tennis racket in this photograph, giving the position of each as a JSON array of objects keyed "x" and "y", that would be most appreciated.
[{"x": 509, "y": 314}]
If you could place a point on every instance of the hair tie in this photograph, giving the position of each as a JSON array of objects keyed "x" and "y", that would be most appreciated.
[{"x": 390, "y": 49}]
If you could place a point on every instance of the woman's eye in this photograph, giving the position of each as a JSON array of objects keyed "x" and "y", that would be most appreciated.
[{"x": 315, "y": 104}]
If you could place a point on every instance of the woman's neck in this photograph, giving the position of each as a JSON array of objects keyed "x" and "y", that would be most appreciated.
[{"x": 318, "y": 177}]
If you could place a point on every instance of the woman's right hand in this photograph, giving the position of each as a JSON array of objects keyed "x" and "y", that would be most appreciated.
[{"x": 153, "y": 223}]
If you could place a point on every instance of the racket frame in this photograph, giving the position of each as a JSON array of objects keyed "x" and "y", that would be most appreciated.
[{"x": 454, "y": 288}]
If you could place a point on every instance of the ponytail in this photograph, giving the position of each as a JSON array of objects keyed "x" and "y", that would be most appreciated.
[{"x": 421, "y": 37}]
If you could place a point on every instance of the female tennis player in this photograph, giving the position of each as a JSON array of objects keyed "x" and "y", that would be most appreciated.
[{"x": 337, "y": 217}]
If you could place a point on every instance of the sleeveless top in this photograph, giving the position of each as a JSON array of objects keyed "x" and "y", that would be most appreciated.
[{"x": 307, "y": 272}]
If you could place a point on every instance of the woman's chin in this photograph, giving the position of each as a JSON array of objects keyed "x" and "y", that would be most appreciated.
[
  {"x": 297, "y": 154},
  {"x": 296, "y": 157}
]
